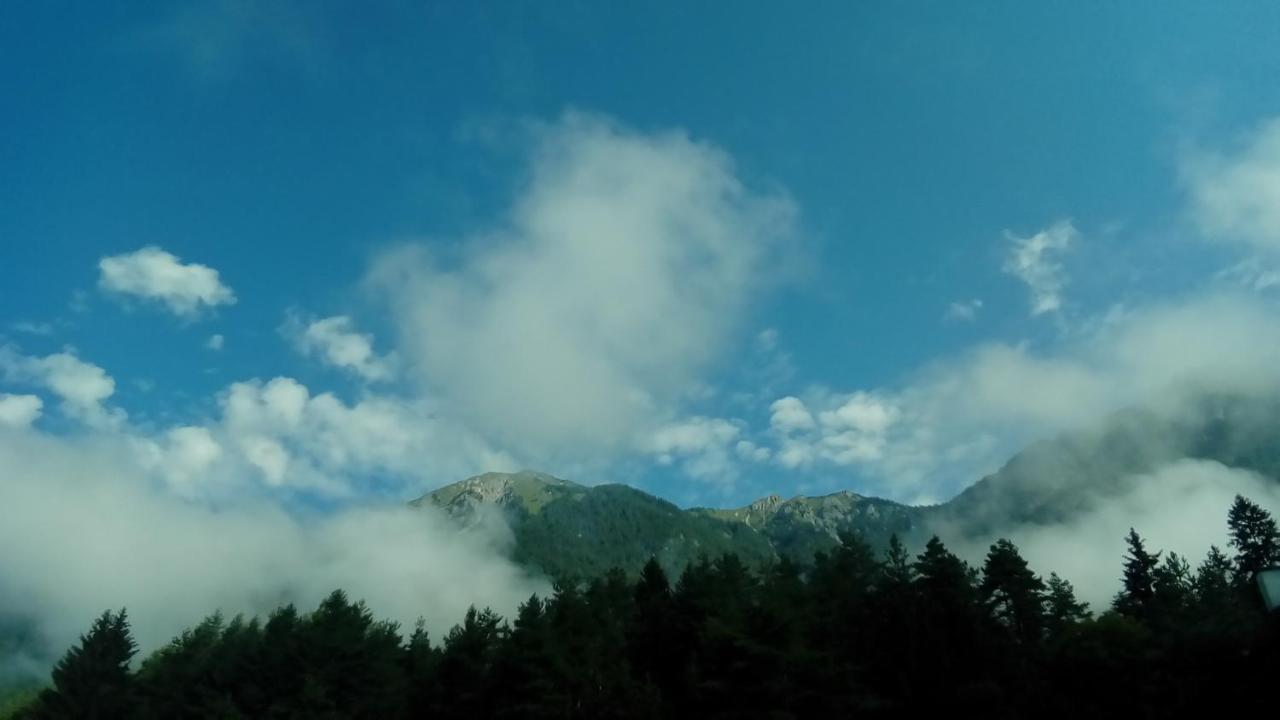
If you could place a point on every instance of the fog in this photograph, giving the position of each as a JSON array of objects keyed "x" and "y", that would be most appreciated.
[
  {"x": 1181, "y": 507},
  {"x": 83, "y": 529}
]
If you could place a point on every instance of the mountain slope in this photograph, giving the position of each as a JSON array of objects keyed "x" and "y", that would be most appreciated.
[{"x": 565, "y": 529}]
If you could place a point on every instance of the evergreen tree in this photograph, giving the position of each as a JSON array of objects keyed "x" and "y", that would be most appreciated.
[
  {"x": 92, "y": 680},
  {"x": 896, "y": 566},
  {"x": 652, "y": 634},
  {"x": 1013, "y": 594},
  {"x": 469, "y": 651},
  {"x": 1254, "y": 537},
  {"x": 1134, "y": 598},
  {"x": 1212, "y": 583},
  {"x": 1172, "y": 592},
  {"x": 949, "y": 610},
  {"x": 1062, "y": 610},
  {"x": 421, "y": 663}
]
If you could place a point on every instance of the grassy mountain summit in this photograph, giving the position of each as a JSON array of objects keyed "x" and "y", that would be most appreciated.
[{"x": 563, "y": 528}]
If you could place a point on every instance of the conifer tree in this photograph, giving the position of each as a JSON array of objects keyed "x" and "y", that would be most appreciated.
[
  {"x": 1172, "y": 592},
  {"x": 1013, "y": 594},
  {"x": 1254, "y": 537},
  {"x": 92, "y": 680},
  {"x": 1134, "y": 598},
  {"x": 1062, "y": 610}
]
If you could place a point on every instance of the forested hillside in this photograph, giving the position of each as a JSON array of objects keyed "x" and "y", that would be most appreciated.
[{"x": 851, "y": 633}]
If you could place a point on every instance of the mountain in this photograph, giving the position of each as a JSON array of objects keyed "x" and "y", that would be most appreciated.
[
  {"x": 569, "y": 530},
  {"x": 566, "y": 529}
]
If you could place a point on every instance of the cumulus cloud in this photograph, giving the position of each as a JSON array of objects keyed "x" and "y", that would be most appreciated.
[
  {"x": 1181, "y": 507},
  {"x": 1033, "y": 260},
  {"x": 81, "y": 386},
  {"x": 849, "y": 428},
  {"x": 336, "y": 341},
  {"x": 790, "y": 413},
  {"x": 706, "y": 447},
  {"x": 17, "y": 411},
  {"x": 87, "y": 507},
  {"x": 1235, "y": 193},
  {"x": 155, "y": 275},
  {"x": 215, "y": 342},
  {"x": 624, "y": 270},
  {"x": 958, "y": 419}
]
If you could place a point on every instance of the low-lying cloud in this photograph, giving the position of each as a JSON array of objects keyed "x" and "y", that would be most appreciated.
[
  {"x": 1181, "y": 507},
  {"x": 84, "y": 526}
]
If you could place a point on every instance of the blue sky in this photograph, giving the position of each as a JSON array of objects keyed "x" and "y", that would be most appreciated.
[{"x": 713, "y": 251}]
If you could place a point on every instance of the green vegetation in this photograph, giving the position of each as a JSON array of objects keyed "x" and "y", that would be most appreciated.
[{"x": 854, "y": 633}]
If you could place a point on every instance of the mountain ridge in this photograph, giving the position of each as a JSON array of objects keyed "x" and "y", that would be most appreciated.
[{"x": 564, "y": 528}]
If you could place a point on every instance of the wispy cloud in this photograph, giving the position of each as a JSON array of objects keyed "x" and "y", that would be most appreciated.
[
  {"x": 1235, "y": 193},
  {"x": 336, "y": 341},
  {"x": 963, "y": 310},
  {"x": 1034, "y": 261}
]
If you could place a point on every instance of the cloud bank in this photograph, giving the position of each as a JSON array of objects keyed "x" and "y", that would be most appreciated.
[
  {"x": 86, "y": 524},
  {"x": 958, "y": 419}
]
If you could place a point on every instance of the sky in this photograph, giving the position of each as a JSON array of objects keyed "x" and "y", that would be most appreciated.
[
  {"x": 329, "y": 257},
  {"x": 269, "y": 270}
]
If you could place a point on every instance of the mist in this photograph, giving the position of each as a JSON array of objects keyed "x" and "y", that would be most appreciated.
[
  {"x": 1180, "y": 507},
  {"x": 84, "y": 528}
]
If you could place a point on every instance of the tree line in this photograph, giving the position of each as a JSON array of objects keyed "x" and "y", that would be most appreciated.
[{"x": 853, "y": 633}]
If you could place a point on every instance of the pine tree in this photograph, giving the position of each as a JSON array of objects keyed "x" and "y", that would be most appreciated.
[
  {"x": 1013, "y": 594},
  {"x": 897, "y": 569},
  {"x": 1172, "y": 592},
  {"x": 421, "y": 662},
  {"x": 1134, "y": 598},
  {"x": 1062, "y": 610},
  {"x": 652, "y": 633},
  {"x": 464, "y": 669},
  {"x": 1254, "y": 537},
  {"x": 1213, "y": 579},
  {"x": 92, "y": 680}
]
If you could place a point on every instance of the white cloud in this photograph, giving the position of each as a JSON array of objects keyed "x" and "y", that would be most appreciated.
[
  {"x": 789, "y": 414},
  {"x": 705, "y": 447},
  {"x": 335, "y": 340},
  {"x": 751, "y": 452},
  {"x": 849, "y": 428},
  {"x": 285, "y": 436},
  {"x": 1235, "y": 195},
  {"x": 624, "y": 271},
  {"x": 18, "y": 411},
  {"x": 215, "y": 342},
  {"x": 1033, "y": 261},
  {"x": 83, "y": 387},
  {"x": 153, "y": 274},
  {"x": 963, "y": 310}
]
